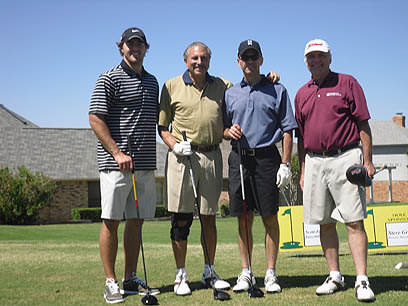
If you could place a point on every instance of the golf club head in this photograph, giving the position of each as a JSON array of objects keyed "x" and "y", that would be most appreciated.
[
  {"x": 357, "y": 174},
  {"x": 255, "y": 292},
  {"x": 149, "y": 299},
  {"x": 220, "y": 295}
]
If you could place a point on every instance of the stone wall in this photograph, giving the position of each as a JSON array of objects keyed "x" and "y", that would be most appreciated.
[{"x": 69, "y": 195}]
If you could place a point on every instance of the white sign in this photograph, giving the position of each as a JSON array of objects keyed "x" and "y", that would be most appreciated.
[
  {"x": 397, "y": 233},
  {"x": 311, "y": 234}
]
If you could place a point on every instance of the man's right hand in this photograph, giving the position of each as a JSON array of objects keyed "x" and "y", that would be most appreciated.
[
  {"x": 124, "y": 161},
  {"x": 183, "y": 148}
]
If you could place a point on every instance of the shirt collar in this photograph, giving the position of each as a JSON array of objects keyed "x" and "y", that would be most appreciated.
[
  {"x": 188, "y": 81},
  {"x": 264, "y": 81},
  {"x": 130, "y": 71},
  {"x": 329, "y": 79}
]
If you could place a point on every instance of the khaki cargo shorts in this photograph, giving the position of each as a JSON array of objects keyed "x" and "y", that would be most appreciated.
[{"x": 207, "y": 169}]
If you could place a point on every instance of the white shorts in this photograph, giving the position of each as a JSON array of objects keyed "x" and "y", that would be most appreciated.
[
  {"x": 117, "y": 196},
  {"x": 327, "y": 194}
]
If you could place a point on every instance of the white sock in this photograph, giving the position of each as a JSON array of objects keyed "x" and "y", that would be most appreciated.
[
  {"x": 110, "y": 280},
  {"x": 335, "y": 275},
  {"x": 181, "y": 271},
  {"x": 245, "y": 270},
  {"x": 207, "y": 268},
  {"x": 271, "y": 272},
  {"x": 361, "y": 278}
]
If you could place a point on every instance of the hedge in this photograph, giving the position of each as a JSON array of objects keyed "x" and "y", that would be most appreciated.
[{"x": 94, "y": 214}]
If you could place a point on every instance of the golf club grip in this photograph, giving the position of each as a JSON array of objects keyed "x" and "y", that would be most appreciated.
[{"x": 183, "y": 133}]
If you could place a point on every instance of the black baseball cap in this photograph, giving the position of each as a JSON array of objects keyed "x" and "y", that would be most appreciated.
[
  {"x": 249, "y": 44},
  {"x": 133, "y": 33}
]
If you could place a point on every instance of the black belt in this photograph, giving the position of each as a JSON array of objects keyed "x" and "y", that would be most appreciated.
[
  {"x": 204, "y": 149},
  {"x": 255, "y": 151},
  {"x": 334, "y": 152}
]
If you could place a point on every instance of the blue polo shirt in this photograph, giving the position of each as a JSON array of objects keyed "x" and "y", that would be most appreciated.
[{"x": 263, "y": 112}]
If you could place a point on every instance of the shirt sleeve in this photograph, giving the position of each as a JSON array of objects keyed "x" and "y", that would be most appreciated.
[
  {"x": 358, "y": 105},
  {"x": 102, "y": 95},
  {"x": 226, "y": 118},
  {"x": 165, "y": 113},
  {"x": 286, "y": 117}
]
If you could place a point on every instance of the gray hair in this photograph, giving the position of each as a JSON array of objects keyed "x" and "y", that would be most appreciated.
[{"x": 194, "y": 44}]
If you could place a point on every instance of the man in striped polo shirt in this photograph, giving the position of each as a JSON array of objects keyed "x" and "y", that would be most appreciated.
[{"x": 125, "y": 101}]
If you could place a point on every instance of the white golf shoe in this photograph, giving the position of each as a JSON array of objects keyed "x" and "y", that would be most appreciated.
[
  {"x": 218, "y": 282},
  {"x": 181, "y": 284},
  {"x": 330, "y": 286},
  {"x": 364, "y": 292},
  {"x": 271, "y": 284},
  {"x": 243, "y": 282}
]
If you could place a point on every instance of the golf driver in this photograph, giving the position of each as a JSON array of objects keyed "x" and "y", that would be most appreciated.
[
  {"x": 148, "y": 299},
  {"x": 218, "y": 294},
  {"x": 253, "y": 291}
]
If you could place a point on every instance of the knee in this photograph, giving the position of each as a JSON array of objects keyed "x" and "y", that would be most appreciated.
[
  {"x": 357, "y": 226},
  {"x": 180, "y": 226}
]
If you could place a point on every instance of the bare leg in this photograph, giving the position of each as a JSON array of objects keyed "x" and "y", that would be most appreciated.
[
  {"x": 108, "y": 246},
  {"x": 210, "y": 228},
  {"x": 242, "y": 242},
  {"x": 357, "y": 239},
  {"x": 131, "y": 246},
  {"x": 330, "y": 245},
  {"x": 180, "y": 249},
  {"x": 271, "y": 240}
]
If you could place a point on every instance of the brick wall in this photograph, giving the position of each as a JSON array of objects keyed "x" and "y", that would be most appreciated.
[
  {"x": 69, "y": 195},
  {"x": 381, "y": 192}
]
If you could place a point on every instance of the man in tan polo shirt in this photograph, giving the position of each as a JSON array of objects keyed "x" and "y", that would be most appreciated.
[{"x": 192, "y": 102}]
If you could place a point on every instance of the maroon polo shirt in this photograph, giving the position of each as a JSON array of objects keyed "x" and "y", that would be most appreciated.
[{"x": 327, "y": 115}]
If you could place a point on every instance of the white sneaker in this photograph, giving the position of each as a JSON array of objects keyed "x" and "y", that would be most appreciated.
[
  {"x": 112, "y": 294},
  {"x": 218, "y": 282},
  {"x": 271, "y": 284},
  {"x": 330, "y": 286},
  {"x": 243, "y": 282},
  {"x": 181, "y": 284},
  {"x": 364, "y": 292}
]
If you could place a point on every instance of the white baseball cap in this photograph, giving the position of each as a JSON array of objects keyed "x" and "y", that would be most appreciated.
[{"x": 316, "y": 45}]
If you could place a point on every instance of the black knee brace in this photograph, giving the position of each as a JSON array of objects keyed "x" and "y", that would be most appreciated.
[{"x": 180, "y": 233}]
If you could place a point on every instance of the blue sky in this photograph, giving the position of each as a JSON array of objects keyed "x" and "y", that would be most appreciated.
[{"x": 52, "y": 52}]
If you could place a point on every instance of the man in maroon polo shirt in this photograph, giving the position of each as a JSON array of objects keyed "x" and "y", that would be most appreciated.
[{"x": 332, "y": 115}]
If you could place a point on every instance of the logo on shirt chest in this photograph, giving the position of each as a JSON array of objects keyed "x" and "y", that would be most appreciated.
[{"x": 333, "y": 94}]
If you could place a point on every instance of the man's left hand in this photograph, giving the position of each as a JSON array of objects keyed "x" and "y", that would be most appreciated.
[
  {"x": 273, "y": 76},
  {"x": 283, "y": 176}
]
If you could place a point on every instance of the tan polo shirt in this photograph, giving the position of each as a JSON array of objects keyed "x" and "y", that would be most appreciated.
[{"x": 198, "y": 112}]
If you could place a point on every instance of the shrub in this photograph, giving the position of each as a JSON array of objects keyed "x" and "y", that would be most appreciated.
[
  {"x": 224, "y": 208},
  {"x": 93, "y": 214},
  {"x": 23, "y": 195},
  {"x": 161, "y": 211}
]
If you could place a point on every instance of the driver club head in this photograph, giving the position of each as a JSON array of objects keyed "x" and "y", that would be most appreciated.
[
  {"x": 255, "y": 292},
  {"x": 149, "y": 299},
  {"x": 221, "y": 295}
]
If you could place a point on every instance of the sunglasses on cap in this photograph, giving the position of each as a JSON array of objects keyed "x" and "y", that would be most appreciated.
[{"x": 253, "y": 57}]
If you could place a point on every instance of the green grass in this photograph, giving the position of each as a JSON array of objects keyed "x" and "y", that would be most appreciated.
[{"x": 60, "y": 265}]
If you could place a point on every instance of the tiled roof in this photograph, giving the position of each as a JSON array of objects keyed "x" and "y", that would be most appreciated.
[
  {"x": 63, "y": 154},
  {"x": 9, "y": 118},
  {"x": 387, "y": 133}
]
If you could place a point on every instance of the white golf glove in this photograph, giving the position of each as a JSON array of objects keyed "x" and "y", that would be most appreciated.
[
  {"x": 183, "y": 148},
  {"x": 283, "y": 176}
]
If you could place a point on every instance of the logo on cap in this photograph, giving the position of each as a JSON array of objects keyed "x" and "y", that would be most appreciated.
[{"x": 249, "y": 42}]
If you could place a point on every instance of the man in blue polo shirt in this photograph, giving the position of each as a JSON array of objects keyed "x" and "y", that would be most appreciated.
[{"x": 257, "y": 113}]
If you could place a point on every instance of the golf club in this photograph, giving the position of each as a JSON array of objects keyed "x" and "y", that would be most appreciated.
[
  {"x": 148, "y": 299},
  {"x": 253, "y": 291},
  {"x": 218, "y": 294}
]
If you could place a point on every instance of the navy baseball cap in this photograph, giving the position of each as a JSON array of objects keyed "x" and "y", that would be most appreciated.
[
  {"x": 133, "y": 33},
  {"x": 249, "y": 44}
]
